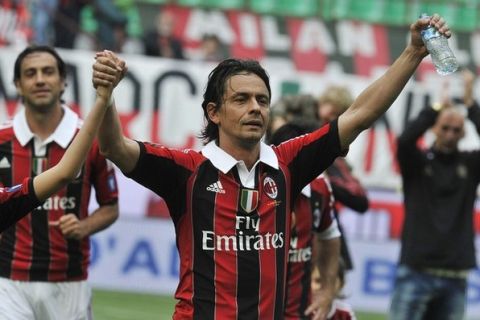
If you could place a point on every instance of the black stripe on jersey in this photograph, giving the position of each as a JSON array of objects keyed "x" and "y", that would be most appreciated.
[
  {"x": 203, "y": 211},
  {"x": 248, "y": 279},
  {"x": 306, "y": 284},
  {"x": 282, "y": 255},
  {"x": 7, "y": 240},
  {"x": 40, "y": 237},
  {"x": 74, "y": 251}
]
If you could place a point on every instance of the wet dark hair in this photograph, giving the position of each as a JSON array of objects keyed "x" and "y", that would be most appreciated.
[
  {"x": 293, "y": 129},
  {"x": 215, "y": 90},
  {"x": 35, "y": 48}
]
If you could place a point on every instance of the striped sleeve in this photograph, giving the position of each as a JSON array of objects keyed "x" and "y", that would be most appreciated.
[{"x": 16, "y": 202}]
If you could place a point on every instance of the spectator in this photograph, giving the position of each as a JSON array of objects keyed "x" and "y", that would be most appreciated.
[
  {"x": 211, "y": 49},
  {"x": 290, "y": 108},
  {"x": 161, "y": 42},
  {"x": 112, "y": 23},
  {"x": 67, "y": 22},
  {"x": 42, "y": 12},
  {"x": 440, "y": 188}
]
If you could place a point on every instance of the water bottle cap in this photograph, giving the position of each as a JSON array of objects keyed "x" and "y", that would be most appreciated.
[{"x": 424, "y": 15}]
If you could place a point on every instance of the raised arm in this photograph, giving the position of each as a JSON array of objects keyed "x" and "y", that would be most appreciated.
[
  {"x": 379, "y": 96},
  {"x": 122, "y": 151},
  {"x": 50, "y": 181},
  {"x": 469, "y": 100}
]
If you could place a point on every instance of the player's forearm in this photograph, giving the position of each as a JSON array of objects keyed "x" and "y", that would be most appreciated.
[
  {"x": 100, "y": 219},
  {"x": 68, "y": 167},
  {"x": 328, "y": 255},
  {"x": 114, "y": 145},
  {"x": 378, "y": 97}
]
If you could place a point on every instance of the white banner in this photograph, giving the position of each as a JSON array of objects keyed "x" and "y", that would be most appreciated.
[{"x": 160, "y": 101}]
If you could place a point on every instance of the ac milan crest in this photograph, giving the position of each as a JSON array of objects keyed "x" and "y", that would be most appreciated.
[{"x": 270, "y": 188}]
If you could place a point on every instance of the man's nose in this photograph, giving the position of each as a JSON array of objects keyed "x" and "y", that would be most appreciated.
[
  {"x": 254, "y": 105},
  {"x": 39, "y": 78}
]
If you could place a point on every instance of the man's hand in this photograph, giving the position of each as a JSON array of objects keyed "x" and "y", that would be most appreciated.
[
  {"x": 468, "y": 81},
  {"x": 108, "y": 69},
  {"x": 415, "y": 29},
  {"x": 321, "y": 304},
  {"x": 70, "y": 226}
]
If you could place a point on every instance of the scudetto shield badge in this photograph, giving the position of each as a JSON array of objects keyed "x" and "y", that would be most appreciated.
[
  {"x": 39, "y": 165},
  {"x": 249, "y": 200},
  {"x": 270, "y": 188}
]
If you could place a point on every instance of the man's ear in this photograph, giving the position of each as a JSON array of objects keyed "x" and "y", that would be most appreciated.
[
  {"x": 19, "y": 88},
  {"x": 212, "y": 112}
]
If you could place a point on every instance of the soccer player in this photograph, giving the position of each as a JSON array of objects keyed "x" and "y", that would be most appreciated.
[
  {"x": 315, "y": 238},
  {"x": 231, "y": 202},
  {"x": 44, "y": 256},
  {"x": 17, "y": 201}
]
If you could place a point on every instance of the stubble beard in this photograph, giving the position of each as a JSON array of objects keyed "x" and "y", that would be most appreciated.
[{"x": 43, "y": 107}]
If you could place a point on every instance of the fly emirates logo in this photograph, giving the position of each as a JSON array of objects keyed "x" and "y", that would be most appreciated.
[
  {"x": 246, "y": 238},
  {"x": 58, "y": 203}
]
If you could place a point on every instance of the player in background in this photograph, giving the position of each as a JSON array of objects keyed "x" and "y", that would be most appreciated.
[
  {"x": 315, "y": 240},
  {"x": 44, "y": 257},
  {"x": 17, "y": 201}
]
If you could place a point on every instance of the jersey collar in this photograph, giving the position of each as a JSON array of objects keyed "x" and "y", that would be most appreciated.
[
  {"x": 225, "y": 162},
  {"x": 62, "y": 135}
]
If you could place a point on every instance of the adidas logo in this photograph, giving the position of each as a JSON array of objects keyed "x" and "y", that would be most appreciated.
[
  {"x": 216, "y": 187},
  {"x": 4, "y": 164}
]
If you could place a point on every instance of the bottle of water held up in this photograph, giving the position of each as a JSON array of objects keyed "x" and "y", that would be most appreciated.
[{"x": 437, "y": 45}]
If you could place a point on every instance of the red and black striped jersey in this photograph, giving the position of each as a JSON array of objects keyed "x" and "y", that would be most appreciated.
[
  {"x": 31, "y": 250},
  {"x": 16, "y": 202},
  {"x": 233, "y": 224},
  {"x": 313, "y": 212}
]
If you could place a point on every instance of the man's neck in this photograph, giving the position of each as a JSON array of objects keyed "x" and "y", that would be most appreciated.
[
  {"x": 44, "y": 124},
  {"x": 248, "y": 153}
]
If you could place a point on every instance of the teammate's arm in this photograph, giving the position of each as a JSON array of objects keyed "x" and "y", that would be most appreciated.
[{"x": 50, "y": 181}]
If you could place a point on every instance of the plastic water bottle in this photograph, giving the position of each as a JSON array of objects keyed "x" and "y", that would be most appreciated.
[{"x": 437, "y": 45}]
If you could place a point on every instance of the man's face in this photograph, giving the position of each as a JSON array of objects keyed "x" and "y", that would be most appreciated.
[
  {"x": 40, "y": 84},
  {"x": 243, "y": 117},
  {"x": 448, "y": 130},
  {"x": 328, "y": 112}
]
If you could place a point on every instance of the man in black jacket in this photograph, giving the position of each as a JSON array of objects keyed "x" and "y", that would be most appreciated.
[{"x": 440, "y": 186}]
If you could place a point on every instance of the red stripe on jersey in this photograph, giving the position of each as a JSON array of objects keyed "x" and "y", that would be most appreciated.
[
  {"x": 226, "y": 205},
  {"x": 184, "y": 230},
  {"x": 21, "y": 168}
]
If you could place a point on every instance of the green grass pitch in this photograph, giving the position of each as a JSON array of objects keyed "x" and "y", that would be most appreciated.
[{"x": 113, "y": 305}]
